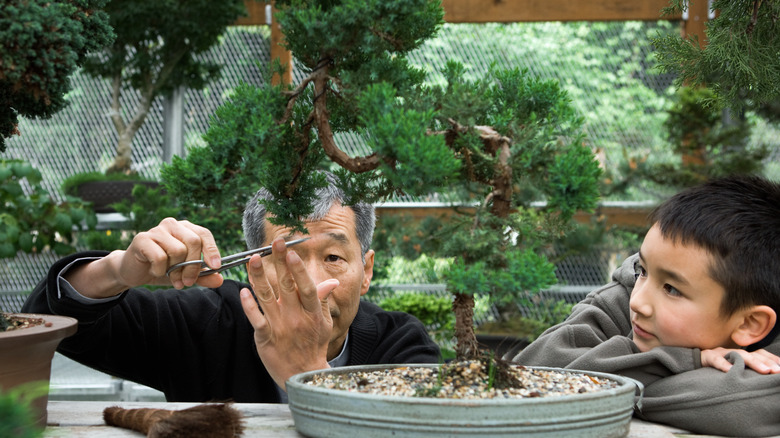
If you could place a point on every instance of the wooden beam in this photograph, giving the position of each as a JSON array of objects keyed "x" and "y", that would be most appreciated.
[{"x": 508, "y": 11}]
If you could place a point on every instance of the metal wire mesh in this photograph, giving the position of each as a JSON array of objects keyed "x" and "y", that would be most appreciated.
[{"x": 594, "y": 62}]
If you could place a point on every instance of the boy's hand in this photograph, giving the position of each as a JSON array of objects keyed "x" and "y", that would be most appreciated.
[{"x": 761, "y": 361}]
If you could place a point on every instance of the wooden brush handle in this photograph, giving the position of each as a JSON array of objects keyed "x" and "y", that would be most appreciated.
[{"x": 141, "y": 419}]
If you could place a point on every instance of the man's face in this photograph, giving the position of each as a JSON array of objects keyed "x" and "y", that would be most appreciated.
[
  {"x": 333, "y": 251},
  {"x": 675, "y": 302}
]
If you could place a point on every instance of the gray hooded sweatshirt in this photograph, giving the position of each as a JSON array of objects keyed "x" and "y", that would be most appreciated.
[{"x": 678, "y": 391}]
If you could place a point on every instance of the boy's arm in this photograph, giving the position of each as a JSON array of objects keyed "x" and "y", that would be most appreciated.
[{"x": 740, "y": 402}]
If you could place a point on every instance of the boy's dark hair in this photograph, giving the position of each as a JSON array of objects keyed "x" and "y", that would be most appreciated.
[{"x": 736, "y": 219}]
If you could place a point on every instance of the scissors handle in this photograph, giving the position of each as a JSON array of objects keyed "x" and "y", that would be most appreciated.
[{"x": 230, "y": 261}]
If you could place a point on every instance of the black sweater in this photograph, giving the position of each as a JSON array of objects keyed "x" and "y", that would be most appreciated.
[{"x": 196, "y": 345}]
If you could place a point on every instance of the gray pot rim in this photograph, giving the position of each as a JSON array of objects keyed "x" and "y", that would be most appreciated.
[{"x": 296, "y": 382}]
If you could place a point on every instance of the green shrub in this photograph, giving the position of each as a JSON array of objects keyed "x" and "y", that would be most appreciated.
[
  {"x": 34, "y": 222},
  {"x": 16, "y": 414}
]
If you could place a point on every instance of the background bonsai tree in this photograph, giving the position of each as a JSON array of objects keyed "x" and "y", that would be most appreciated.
[
  {"x": 155, "y": 52},
  {"x": 498, "y": 143},
  {"x": 709, "y": 145},
  {"x": 41, "y": 43}
]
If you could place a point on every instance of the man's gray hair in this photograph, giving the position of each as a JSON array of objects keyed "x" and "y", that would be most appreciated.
[{"x": 365, "y": 216}]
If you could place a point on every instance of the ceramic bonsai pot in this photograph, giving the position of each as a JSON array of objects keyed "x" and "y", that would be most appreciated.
[
  {"x": 26, "y": 355},
  {"x": 322, "y": 412}
]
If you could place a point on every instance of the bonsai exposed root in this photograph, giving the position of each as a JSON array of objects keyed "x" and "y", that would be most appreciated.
[{"x": 500, "y": 371}]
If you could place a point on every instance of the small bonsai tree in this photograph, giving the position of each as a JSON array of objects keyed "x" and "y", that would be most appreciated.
[
  {"x": 41, "y": 43},
  {"x": 708, "y": 145},
  {"x": 155, "y": 52},
  {"x": 499, "y": 143}
]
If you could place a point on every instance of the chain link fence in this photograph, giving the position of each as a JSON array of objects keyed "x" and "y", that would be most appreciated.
[{"x": 607, "y": 68}]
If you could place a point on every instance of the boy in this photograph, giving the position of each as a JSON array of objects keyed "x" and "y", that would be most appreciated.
[{"x": 693, "y": 316}]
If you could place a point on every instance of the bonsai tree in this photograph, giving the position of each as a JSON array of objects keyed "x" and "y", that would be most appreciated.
[
  {"x": 708, "y": 144},
  {"x": 155, "y": 52},
  {"x": 741, "y": 61},
  {"x": 507, "y": 144},
  {"x": 41, "y": 43}
]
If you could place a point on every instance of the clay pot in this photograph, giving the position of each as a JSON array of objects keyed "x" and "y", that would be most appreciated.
[{"x": 27, "y": 354}]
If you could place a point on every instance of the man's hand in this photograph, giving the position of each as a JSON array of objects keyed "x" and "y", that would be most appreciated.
[
  {"x": 147, "y": 259},
  {"x": 294, "y": 328},
  {"x": 761, "y": 361}
]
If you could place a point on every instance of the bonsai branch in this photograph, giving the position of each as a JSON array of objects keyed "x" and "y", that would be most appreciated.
[
  {"x": 321, "y": 117},
  {"x": 753, "y": 17}
]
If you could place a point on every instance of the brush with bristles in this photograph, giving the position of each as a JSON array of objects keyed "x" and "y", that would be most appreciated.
[{"x": 202, "y": 421}]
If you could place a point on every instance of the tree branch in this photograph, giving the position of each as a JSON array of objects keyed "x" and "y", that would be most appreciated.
[{"x": 322, "y": 119}]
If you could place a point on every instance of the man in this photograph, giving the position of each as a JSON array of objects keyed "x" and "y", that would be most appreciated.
[{"x": 211, "y": 339}]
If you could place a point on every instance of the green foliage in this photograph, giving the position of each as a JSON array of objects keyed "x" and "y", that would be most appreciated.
[
  {"x": 30, "y": 220},
  {"x": 433, "y": 311},
  {"x": 741, "y": 60},
  {"x": 374, "y": 31},
  {"x": 42, "y": 43},
  {"x": 502, "y": 142},
  {"x": 161, "y": 41},
  {"x": 16, "y": 412},
  {"x": 420, "y": 161}
]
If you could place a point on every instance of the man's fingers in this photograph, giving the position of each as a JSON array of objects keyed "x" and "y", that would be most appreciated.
[
  {"x": 197, "y": 240},
  {"x": 208, "y": 246},
  {"x": 307, "y": 290},
  {"x": 287, "y": 286},
  {"x": 252, "y": 312},
  {"x": 325, "y": 288},
  {"x": 211, "y": 281}
]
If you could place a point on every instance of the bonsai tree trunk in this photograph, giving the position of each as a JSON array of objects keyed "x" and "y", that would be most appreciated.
[
  {"x": 500, "y": 201},
  {"x": 467, "y": 346}
]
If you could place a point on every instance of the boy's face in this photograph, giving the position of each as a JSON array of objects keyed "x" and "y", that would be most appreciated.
[{"x": 675, "y": 302}]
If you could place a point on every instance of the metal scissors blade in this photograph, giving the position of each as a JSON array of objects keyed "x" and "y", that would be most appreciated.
[{"x": 230, "y": 261}]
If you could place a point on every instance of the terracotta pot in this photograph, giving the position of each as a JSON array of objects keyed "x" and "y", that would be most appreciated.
[
  {"x": 104, "y": 193},
  {"x": 27, "y": 354}
]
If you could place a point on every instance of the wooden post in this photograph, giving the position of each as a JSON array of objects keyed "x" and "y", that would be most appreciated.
[
  {"x": 279, "y": 52},
  {"x": 256, "y": 16},
  {"x": 694, "y": 26}
]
